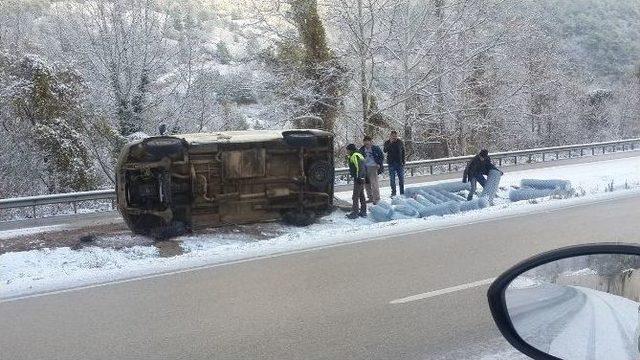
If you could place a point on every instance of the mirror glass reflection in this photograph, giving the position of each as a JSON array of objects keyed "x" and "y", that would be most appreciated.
[{"x": 585, "y": 307}]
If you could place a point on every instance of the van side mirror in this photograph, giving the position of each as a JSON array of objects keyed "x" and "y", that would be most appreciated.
[{"x": 580, "y": 302}]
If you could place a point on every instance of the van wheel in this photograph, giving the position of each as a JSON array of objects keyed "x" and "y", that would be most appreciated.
[
  {"x": 145, "y": 224},
  {"x": 153, "y": 226},
  {"x": 300, "y": 139},
  {"x": 296, "y": 218},
  {"x": 172, "y": 230},
  {"x": 320, "y": 174}
]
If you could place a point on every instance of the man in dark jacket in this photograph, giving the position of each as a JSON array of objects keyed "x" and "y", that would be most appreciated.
[
  {"x": 476, "y": 169},
  {"x": 396, "y": 160},
  {"x": 358, "y": 173},
  {"x": 374, "y": 165}
]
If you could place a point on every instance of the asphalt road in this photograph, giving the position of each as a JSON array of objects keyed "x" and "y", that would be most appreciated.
[
  {"x": 342, "y": 302},
  {"x": 86, "y": 221}
]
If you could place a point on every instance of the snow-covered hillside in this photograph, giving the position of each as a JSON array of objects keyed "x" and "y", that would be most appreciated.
[{"x": 77, "y": 77}]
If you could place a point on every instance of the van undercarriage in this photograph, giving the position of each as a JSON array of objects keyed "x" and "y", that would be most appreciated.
[{"x": 176, "y": 184}]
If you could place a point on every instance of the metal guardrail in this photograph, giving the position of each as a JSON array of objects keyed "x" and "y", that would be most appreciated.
[
  {"x": 411, "y": 168},
  {"x": 72, "y": 198}
]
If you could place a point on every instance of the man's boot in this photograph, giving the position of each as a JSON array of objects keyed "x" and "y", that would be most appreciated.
[{"x": 352, "y": 215}]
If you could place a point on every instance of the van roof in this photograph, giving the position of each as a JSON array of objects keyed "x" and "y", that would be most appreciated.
[{"x": 240, "y": 136}]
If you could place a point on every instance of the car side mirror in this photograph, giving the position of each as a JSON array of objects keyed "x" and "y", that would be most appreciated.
[{"x": 579, "y": 302}]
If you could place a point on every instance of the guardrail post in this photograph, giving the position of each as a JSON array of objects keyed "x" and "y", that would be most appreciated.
[
  {"x": 449, "y": 167},
  {"x": 411, "y": 170},
  {"x": 33, "y": 208},
  {"x": 75, "y": 207},
  {"x": 499, "y": 161},
  {"x": 543, "y": 157},
  {"x": 530, "y": 158},
  {"x": 557, "y": 155},
  {"x": 581, "y": 152},
  {"x": 515, "y": 160},
  {"x": 604, "y": 149}
]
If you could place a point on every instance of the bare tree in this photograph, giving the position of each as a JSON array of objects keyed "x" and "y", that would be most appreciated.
[{"x": 121, "y": 46}]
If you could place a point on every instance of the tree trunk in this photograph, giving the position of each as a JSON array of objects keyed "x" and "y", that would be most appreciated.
[
  {"x": 320, "y": 64},
  {"x": 440, "y": 105}
]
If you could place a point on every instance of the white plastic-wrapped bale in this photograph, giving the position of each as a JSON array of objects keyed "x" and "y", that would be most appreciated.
[
  {"x": 385, "y": 204},
  {"x": 450, "y": 187},
  {"x": 431, "y": 198},
  {"x": 453, "y": 186},
  {"x": 381, "y": 212},
  {"x": 424, "y": 201},
  {"x": 451, "y": 207},
  {"x": 475, "y": 204},
  {"x": 546, "y": 184},
  {"x": 529, "y": 193},
  {"x": 452, "y": 196},
  {"x": 398, "y": 200},
  {"x": 438, "y": 195},
  {"x": 492, "y": 185},
  {"x": 404, "y": 212},
  {"x": 415, "y": 205},
  {"x": 412, "y": 192}
]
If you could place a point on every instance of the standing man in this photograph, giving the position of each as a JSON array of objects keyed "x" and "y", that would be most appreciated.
[
  {"x": 374, "y": 165},
  {"x": 395, "y": 159},
  {"x": 358, "y": 173},
  {"x": 479, "y": 166}
]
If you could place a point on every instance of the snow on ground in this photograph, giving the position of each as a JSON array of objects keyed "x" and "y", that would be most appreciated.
[
  {"x": 582, "y": 272},
  {"x": 586, "y": 179},
  {"x": 33, "y": 271}
]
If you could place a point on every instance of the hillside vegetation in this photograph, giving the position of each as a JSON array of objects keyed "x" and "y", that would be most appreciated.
[{"x": 78, "y": 79}]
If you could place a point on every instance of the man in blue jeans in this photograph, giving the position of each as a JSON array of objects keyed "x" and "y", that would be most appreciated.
[{"x": 394, "y": 148}]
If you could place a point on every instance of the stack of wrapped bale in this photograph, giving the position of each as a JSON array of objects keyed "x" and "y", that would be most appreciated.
[{"x": 434, "y": 200}]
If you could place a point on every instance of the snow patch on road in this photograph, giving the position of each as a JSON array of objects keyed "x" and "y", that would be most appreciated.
[{"x": 522, "y": 282}]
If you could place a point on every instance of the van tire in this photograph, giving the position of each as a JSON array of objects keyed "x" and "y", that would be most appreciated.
[
  {"x": 166, "y": 232},
  {"x": 153, "y": 226},
  {"x": 301, "y": 219},
  {"x": 320, "y": 174},
  {"x": 300, "y": 139}
]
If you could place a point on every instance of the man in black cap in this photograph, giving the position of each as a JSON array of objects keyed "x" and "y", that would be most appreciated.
[
  {"x": 479, "y": 166},
  {"x": 358, "y": 173},
  {"x": 394, "y": 147}
]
